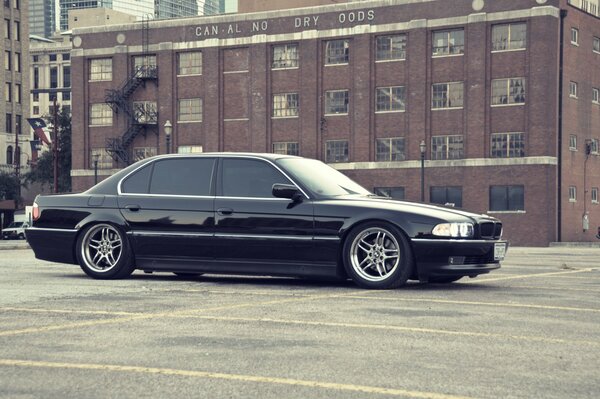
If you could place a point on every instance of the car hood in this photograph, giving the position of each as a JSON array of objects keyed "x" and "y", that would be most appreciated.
[{"x": 418, "y": 208}]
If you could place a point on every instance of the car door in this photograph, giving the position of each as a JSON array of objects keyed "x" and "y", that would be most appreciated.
[
  {"x": 169, "y": 206},
  {"x": 252, "y": 226}
]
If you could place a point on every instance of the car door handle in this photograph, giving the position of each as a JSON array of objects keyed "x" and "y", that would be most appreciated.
[
  {"x": 133, "y": 208},
  {"x": 224, "y": 211}
]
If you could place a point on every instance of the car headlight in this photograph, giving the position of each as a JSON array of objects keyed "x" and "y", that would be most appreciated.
[{"x": 453, "y": 230}]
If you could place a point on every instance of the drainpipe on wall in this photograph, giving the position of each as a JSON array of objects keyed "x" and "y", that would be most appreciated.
[{"x": 563, "y": 15}]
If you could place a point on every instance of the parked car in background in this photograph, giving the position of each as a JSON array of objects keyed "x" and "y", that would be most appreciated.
[
  {"x": 15, "y": 230},
  {"x": 260, "y": 214}
]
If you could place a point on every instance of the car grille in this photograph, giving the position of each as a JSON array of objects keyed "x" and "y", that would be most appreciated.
[
  {"x": 478, "y": 260},
  {"x": 490, "y": 230}
]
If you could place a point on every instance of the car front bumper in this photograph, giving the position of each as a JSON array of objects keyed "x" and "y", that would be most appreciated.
[{"x": 445, "y": 258}]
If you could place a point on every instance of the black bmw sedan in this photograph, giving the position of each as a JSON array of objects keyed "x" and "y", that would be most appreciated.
[{"x": 262, "y": 214}]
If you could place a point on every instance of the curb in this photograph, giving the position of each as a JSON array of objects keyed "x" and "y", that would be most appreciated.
[{"x": 575, "y": 244}]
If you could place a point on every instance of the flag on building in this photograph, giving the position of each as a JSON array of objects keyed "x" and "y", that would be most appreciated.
[{"x": 38, "y": 126}]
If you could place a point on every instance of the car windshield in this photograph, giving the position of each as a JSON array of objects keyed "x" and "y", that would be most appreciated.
[
  {"x": 15, "y": 224},
  {"x": 321, "y": 178}
]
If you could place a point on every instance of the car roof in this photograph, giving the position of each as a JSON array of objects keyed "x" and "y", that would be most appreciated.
[{"x": 269, "y": 156}]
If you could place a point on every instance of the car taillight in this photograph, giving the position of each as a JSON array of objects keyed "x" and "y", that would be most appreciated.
[{"x": 35, "y": 212}]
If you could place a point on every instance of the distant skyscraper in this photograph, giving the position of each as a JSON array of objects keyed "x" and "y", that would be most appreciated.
[
  {"x": 42, "y": 14},
  {"x": 212, "y": 7}
]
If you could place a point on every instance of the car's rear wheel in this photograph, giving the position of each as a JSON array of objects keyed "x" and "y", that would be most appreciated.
[
  {"x": 377, "y": 255},
  {"x": 103, "y": 252}
]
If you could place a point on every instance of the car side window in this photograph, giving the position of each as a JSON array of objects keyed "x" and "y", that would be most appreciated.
[
  {"x": 250, "y": 178},
  {"x": 185, "y": 176},
  {"x": 138, "y": 181}
]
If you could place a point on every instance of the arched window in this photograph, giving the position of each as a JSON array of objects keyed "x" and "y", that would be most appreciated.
[{"x": 9, "y": 155}]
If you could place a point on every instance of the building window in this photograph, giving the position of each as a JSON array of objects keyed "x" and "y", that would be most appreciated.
[
  {"x": 66, "y": 57},
  {"x": 286, "y": 148},
  {"x": 53, "y": 77},
  {"x": 36, "y": 97},
  {"x": 17, "y": 4},
  {"x": 390, "y": 149},
  {"x": 447, "y": 195},
  {"x": 66, "y": 96},
  {"x": 594, "y": 195},
  {"x": 7, "y": 92},
  {"x": 593, "y": 146},
  {"x": 508, "y": 91},
  {"x": 17, "y": 62},
  {"x": 390, "y": 48},
  {"x": 448, "y": 42},
  {"x": 447, "y": 95},
  {"x": 144, "y": 65},
  {"x": 572, "y": 194},
  {"x": 36, "y": 78},
  {"x": 17, "y": 31},
  {"x": 9, "y": 155},
  {"x": 573, "y": 89},
  {"x": 7, "y": 28},
  {"x": 447, "y": 147},
  {"x": 596, "y": 45},
  {"x": 190, "y": 110},
  {"x": 508, "y": 145},
  {"x": 595, "y": 95},
  {"x": 105, "y": 161},
  {"x": 66, "y": 76},
  {"x": 189, "y": 149},
  {"x": 390, "y": 192},
  {"x": 101, "y": 69},
  {"x": 18, "y": 93},
  {"x": 389, "y": 99},
  {"x": 507, "y": 198},
  {"x": 336, "y": 151},
  {"x": 336, "y": 102},
  {"x": 509, "y": 37},
  {"x": 573, "y": 142},
  {"x": 101, "y": 114},
  {"x": 189, "y": 63},
  {"x": 140, "y": 153},
  {"x": 7, "y": 58},
  {"x": 35, "y": 58},
  {"x": 285, "y": 105},
  {"x": 337, "y": 52},
  {"x": 285, "y": 56},
  {"x": 52, "y": 57},
  {"x": 575, "y": 36},
  {"x": 8, "y": 126},
  {"x": 145, "y": 112},
  {"x": 36, "y": 110}
]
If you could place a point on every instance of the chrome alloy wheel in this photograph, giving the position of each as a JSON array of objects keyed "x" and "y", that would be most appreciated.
[
  {"x": 102, "y": 247},
  {"x": 375, "y": 254}
]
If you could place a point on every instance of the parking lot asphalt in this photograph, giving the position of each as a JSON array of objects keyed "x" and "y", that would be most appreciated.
[{"x": 530, "y": 329}]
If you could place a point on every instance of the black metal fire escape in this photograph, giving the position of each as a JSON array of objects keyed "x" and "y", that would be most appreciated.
[{"x": 140, "y": 117}]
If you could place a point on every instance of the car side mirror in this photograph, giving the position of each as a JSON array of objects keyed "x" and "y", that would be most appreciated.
[{"x": 288, "y": 191}]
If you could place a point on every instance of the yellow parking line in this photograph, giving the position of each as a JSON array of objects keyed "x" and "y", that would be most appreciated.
[
  {"x": 487, "y": 280},
  {"x": 142, "y": 316},
  {"x": 231, "y": 377},
  {"x": 385, "y": 327},
  {"x": 476, "y": 303}
]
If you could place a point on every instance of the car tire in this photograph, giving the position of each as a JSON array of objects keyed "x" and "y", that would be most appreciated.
[
  {"x": 377, "y": 255},
  {"x": 103, "y": 252},
  {"x": 187, "y": 274},
  {"x": 444, "y": 280}
]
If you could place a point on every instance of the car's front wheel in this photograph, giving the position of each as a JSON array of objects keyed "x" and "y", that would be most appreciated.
[
  {"x": 103, "y": 252},
  {"x": 378, "y": 256}
]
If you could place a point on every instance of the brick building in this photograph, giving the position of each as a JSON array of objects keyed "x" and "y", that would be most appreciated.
[{"x": 502, "y": 96}]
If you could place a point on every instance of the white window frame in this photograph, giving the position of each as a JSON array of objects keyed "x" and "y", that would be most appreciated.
[
  {"x": 104, "y": 115},
  {"x": 387, "y": 55},
  {"x": 327, "y": 99},
  {"x": 391, "y": 144},
  {"x": 595, "y": 95},
  {"x": 289, "y": 56},
  {"x": 332, "y": 59},
  {"x": 449, "y": 47},
  {"x": 189, "y": 103},
  {"x": 447, "y": 152},
  {"x": 105, "y": 161},
  {"x": 389, "y": 91},
  {"x": 508, "y": 138},
  {"x": 286, "y": 105},
  {"x": 596, "y": 45},
  {"x": 572, "y": 194},
  {"x": 104, "y": 71},
  {"x": 189, "y": 149},
  {"x": 285, "y": 147},
  {"x": 508, "y": 42},
  {"x": 189, "y": 63},
  {"x": 140, "y": 153},
  {"x": 575, "y": 36},
  {"x": 451, "y": 87},
  {"x": 333, "y": 142},
  {"x": 573, "y": 89},
  {"x": 594, "y": 194},
  {"x": 507, "y": 94},
  {"x": 573, "y": 142}
]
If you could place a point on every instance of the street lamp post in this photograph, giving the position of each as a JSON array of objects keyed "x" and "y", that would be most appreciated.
[
  {"x": 423, "y": 149},
  {"x": 168, "y": 131},
  {"x": 96, "y": 158}
]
